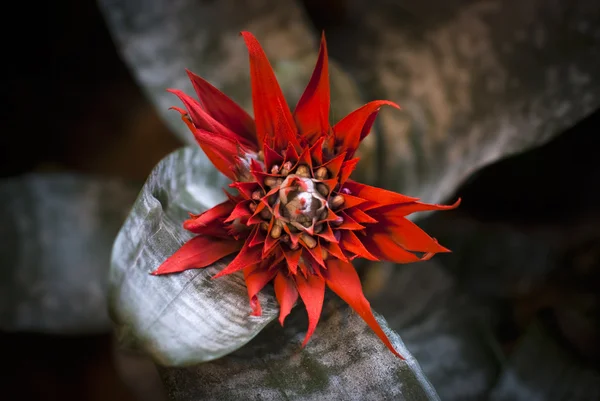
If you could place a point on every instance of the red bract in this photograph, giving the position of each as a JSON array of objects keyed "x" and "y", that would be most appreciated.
[{"x": 297, "y": 220}]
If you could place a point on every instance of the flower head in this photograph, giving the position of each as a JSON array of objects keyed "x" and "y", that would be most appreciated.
[{"x": 297, "y": 218}]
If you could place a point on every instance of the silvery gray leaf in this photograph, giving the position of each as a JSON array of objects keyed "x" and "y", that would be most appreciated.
[
  {"x": 477, "y": 80},
  {"x": 184, "y": 318},
  {"x": 542, "y": 370},
  {"x": 159, "y": 39},
  {"x": 447, "y": 332},
  {"x": 56, "y": 233},
  {"x": 344, "y": 360}
]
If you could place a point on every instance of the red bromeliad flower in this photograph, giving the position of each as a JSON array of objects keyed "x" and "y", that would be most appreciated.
[{"x": 298, "y": 219}]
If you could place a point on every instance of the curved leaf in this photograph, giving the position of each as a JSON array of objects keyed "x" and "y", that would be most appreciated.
[
  {"x": 477, "y": 81},
  {"x": 344, "y": 361},
  {"x": 187, "y": 317},
  {"x": 445, "y": 330},
  {"x": 56, "y": 235},
  {"x": 159, "y": 40}
]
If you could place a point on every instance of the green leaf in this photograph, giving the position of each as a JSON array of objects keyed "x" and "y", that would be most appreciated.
[
  {"x": 344, "y": 360},
  {"x": 56, "y": 234},
  {"x": 183, "y": 318}
]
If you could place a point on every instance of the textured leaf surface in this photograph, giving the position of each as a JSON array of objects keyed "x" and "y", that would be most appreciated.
[
  {"x": 477, "y": 80},
  {"x": 181, "y": 318},
  {"x": 442, "y": 328},
  {"x": 56, "y": 235},
  {"x": 343, "y": 361},
  {"x": 159, "y": 41}
]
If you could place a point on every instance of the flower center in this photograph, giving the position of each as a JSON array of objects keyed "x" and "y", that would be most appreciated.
[{"x": 301, "y": 203}]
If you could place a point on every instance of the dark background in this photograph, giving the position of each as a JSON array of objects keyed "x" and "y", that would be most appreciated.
[{"x": 76, "y": 108}]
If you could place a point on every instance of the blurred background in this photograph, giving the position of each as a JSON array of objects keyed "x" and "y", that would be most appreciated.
[{"x": 84, "y": 127}]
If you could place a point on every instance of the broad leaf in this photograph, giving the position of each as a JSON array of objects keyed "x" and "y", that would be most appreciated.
[
  {"x": 190, "y": 37},
  {"x": 477, "y": 81},
  {"x": 159, "y": 40},
  {"x": 446, "y": 331},
  {"x": 343, "y": 361},
  {"x": 56, "y": 235},
  {"x": 188, "y": 317}
]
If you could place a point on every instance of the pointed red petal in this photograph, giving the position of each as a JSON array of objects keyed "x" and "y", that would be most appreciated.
[
  {"x": 377, "y": 195},
  {"x": 271, "y": 158},
  {"x": 257, "y": 237},
  {"x": 256, "y": 278},
  {"x": 327, "y": 234},
  {"x": 240, "y": 210},
  {"x": 221, "y": 151},
  {"x": 203, "y": 120},
  {"x": 347, "y": 169},
  {"x": 341, "y": 277},
  {"x": 316, "y": 254},
  {"x": 223, "y": 156},
  {"x": 410, "y": 236},
  {"x": 368, "y": 125},
  {"x": 349, "y": 223},
  {"x": 384, "y": 247},
  {"x": 351, "y": 243},
  {"x": 256, "y": 218},
  {"x": 334, "y": 249},
  {"x": 246, "y": 189},
  {"x": 290, "y": 153},
  {"x": 356, "y": 125},
  {"x": 292, "y": 258},
  {"x": 312, "y": 110},
  {"x": 334, "y": 165},
  {"x": 412, "y": 207},
  {"x": 360, "y": 216},
  {"x": 270, "y": 242},
  {"x": 200, "y": 251},
  {"x": 350, "y": 201},
  {"x": 286, "y": 294},
  {"x": 312, "y": 292},
  {"x": 247, "y": 256},
  {"x": 305, "y": 158},
  {"x": 272, "y": 115},
  {"x": 210, "y": 221},
  {"x": 225, "y": 111}
]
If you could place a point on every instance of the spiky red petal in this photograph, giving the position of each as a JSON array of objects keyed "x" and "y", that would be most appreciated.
[
  {"x": 198, "y": 252},
  {"x": 312, "y": 293},
  {"x": 225, "y": 111},
  {"x": 299, "y": 217},
  {"x": 256, "y": 277},
  {"x": 312, "y": 110},
  {"x": 274, "y": 122},
  {"x": 353, "y": 128},
  {"x": 342, "y": 279},
  {"x": 286, "y": 294}
]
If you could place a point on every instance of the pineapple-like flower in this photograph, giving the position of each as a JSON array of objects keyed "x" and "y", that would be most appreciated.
[{"x": 297, "y": 219}]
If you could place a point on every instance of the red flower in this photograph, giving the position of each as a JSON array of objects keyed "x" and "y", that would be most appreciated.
[{"x": 298, "y": 219}]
